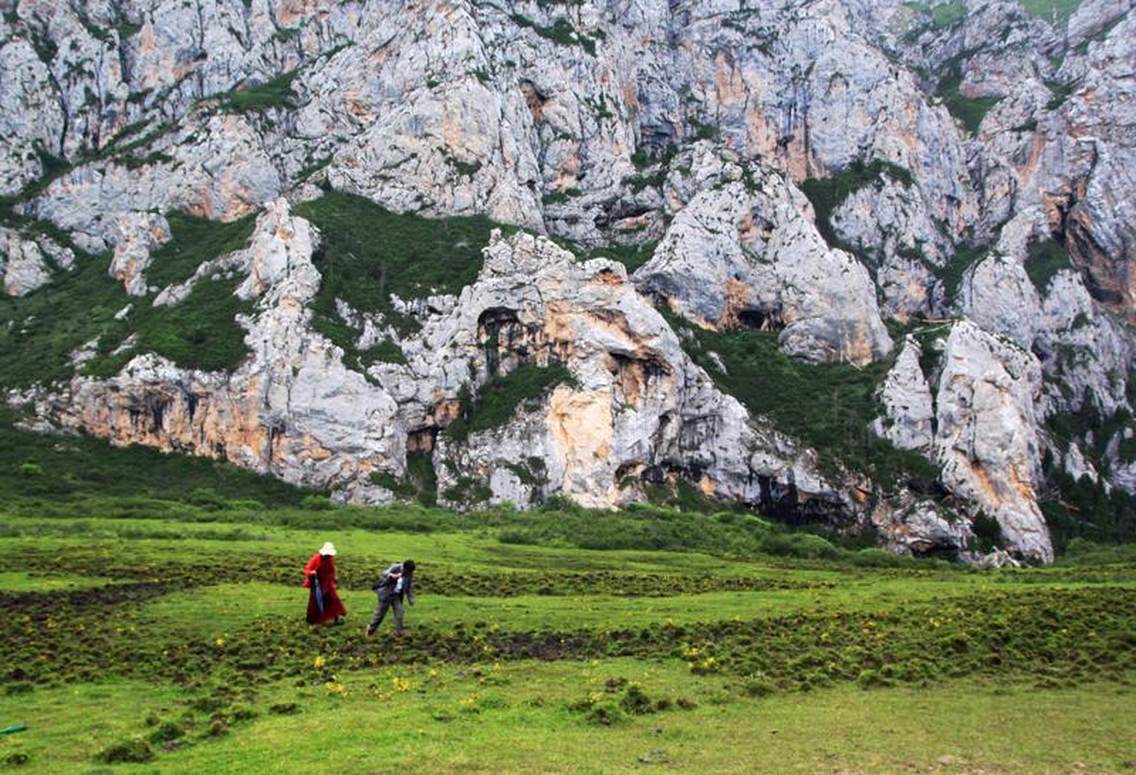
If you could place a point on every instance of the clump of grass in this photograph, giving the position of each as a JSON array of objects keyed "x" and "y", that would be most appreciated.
[
  {"x": 193, "y": 241},
  {"x": 1044, "y": 261},
  {"x": 167, "y": 731},
  {"x": 276, "y": 93},
  {"x": 498, "y": 399},
  {"x": 969, "y": 111},
  {"x": 640, "y": 181},
  {"x": 560, "y": 32},
  {"x": 560, "y": 197},
  {"x": 136, "y": 750},
  {"x": 950, "y": 274}
]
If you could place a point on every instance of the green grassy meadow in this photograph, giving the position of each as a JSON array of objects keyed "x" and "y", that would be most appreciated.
[{"x": 155, "y": 623}]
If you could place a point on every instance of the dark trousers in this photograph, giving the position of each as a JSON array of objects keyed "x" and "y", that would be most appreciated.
[{"x": 395, "y": 602}]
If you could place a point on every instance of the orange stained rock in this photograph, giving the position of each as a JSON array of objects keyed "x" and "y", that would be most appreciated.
[
  {"x": 738, "y": 296},
  {"x": 581, "y": 424},
  {"x": 729, "y": 85}
]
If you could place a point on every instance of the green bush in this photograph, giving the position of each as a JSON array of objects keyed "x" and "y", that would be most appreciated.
[
  {"x": 31, "y": 469},
  {"x": 871, "y": 679},
  {"x": 968, "y": 110},
  {"x": 167, "y": 731},
  {"x": 317, "y": 503},
  {"x": 759, "y": 686},
  {"x": 950, "y": 274},
  {"x": 1046, "y": 259},
  {"x": 207, "y": 499},
  {"x": 987, "y": 532},
  {"x": 605, "y": 713}
]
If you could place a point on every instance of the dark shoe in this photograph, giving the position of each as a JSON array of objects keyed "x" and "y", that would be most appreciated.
[{"x": 370, "y": 632}]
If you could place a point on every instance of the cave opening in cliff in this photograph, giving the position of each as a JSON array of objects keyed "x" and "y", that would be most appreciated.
[{"x": 761, "y": 319}]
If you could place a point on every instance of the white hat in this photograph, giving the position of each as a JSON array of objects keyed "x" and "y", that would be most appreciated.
[{"x": 328, "y": 548}]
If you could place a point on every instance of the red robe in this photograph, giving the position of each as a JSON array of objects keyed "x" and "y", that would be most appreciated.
[{"x": 324, "y": 568}]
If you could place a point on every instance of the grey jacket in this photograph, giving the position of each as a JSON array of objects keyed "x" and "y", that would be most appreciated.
[{"x": 394, "y": 584}]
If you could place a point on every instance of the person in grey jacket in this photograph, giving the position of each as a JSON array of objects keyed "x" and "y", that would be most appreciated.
[{"x": 395, "y": 585}]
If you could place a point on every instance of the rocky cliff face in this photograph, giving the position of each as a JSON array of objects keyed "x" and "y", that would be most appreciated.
[{"x": 936, "y": 197}]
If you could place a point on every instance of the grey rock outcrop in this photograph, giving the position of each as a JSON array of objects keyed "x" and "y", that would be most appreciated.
[
  {"x": 27, "y": 262},
  {"x": 922, "y": 528},
  {"x": 638, "y": 410},
  {"x": 735, "y": 257},
  {"x": 909, "y": 411},
  {"x": 986, "y": 438},
  {"x": 139, "y": 234}
]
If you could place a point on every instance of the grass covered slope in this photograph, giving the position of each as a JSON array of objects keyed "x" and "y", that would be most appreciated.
[
  {"x": 40, "y": 331},
  {"x": 368, "y": 253},
  {"x": 828, "y": 406}
]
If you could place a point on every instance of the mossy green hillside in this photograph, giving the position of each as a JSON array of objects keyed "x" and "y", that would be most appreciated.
[
  {"x": 193, "y": 241},
  {"x": 367, "y": 253},
  {"x": 40, "y": 331},
  {"x": 829, "y": 406}
]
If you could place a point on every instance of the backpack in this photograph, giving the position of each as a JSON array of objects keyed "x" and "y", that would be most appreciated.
[{"x": 386, "y": 580}]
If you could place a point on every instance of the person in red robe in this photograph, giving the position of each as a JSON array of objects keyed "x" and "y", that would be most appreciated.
[{"x": 324, "y": 604}]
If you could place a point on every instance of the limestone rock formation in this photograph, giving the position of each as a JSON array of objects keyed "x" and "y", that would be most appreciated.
[
  {"x": 735, "y": 258},
  {"x": 27, "y": 262},
  {"x": 986, "y": 437},
  {"x": 909, "y": 412},
  {"x": 842, "y": 175}
]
